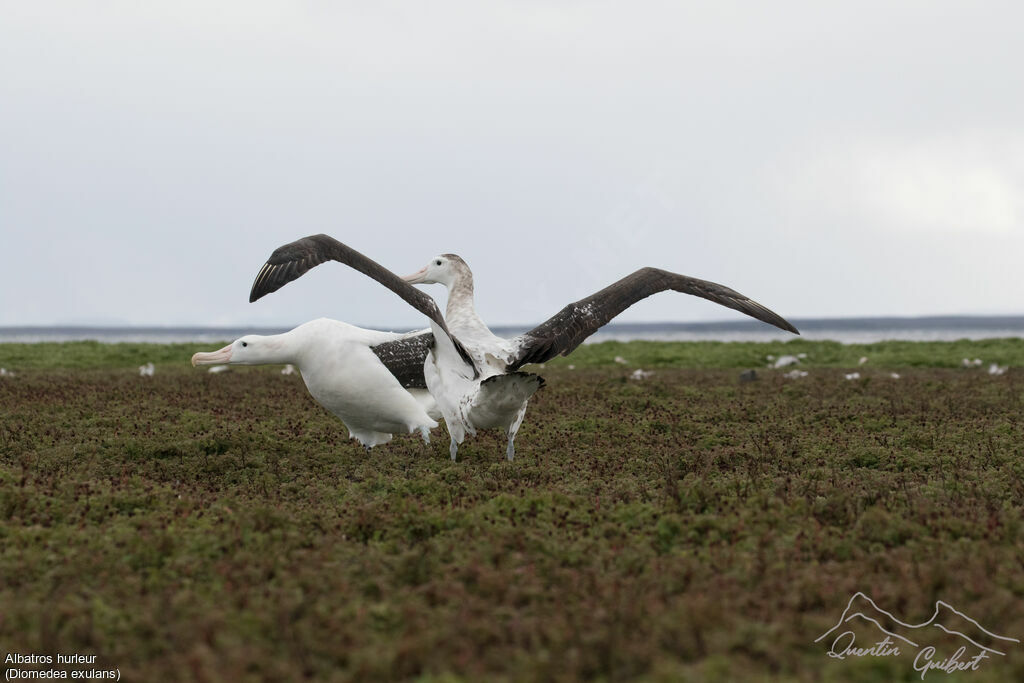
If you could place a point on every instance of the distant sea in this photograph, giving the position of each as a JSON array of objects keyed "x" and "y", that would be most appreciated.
[{"x": 845, "y": 330}]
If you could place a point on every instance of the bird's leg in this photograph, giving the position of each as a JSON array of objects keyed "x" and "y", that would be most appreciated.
[
  {"x": 425, "y": 433},
  {"x": 512, "y": 430},
  {"x": 453, "y": 449}
]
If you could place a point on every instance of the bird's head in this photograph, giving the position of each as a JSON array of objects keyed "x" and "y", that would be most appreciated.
[
  {"x": 445, "y": 269},
  {"x": 251, "y": 349}
]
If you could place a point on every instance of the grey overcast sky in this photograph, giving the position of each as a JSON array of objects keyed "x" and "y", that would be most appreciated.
[{"x": 827, "y": 159}]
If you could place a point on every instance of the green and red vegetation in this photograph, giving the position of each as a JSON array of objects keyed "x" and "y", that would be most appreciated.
[{"x": 190, "y": 526}]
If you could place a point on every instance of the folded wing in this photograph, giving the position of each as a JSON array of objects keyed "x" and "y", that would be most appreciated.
[{"x": 404, "y": 358}]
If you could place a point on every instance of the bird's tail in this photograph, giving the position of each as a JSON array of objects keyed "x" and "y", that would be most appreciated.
[{"x": 501, "y": 394}]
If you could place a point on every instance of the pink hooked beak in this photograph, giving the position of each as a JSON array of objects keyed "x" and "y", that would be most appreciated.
[
  {"x": 218, "y": 357},
  {"x": 417, "y": 277}
]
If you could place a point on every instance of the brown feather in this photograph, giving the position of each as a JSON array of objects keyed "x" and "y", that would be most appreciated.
[
  {"x": 293, "y": 260},
  {"x": 567, "y": 329}
]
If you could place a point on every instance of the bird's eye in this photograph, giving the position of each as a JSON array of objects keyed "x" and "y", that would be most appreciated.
[
  {"x": 245, "y": 343},
  {"x": 437, "y": 262}
]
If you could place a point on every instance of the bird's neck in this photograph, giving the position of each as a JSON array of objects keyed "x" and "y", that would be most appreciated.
[
  {"x": 460, "y": 313},
  {"x": 284, "y": 348},
  {"x": 460, "y": 296}
]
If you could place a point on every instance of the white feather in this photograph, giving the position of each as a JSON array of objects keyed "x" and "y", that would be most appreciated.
[{"x": 345, "y": 376}]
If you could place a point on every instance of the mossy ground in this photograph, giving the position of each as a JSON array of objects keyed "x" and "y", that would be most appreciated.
[
  {"x": 889, "y": 354},
  {"x": 191, "y": 526}
]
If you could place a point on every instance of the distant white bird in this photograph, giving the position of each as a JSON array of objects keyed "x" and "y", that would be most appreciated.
[
  {"x": 795, "y": 374},
  {"x": 288, "y": 369},
  {"x": 996, "y": 369},
  {"x": 852, "y": 375},
  {"x": 894, "y": 375},
  {"x": 4, "y": 372},
  {"x": 620, "y": 360},
  {"x": 216, "y": 369},
  {"x": 372, "y": 380},
  {"x": 639, "y": 374},
  {"x": 801, "y": 356},
  {"x": 967, "y": 363},
  {"x": 472, "y": 373},
  {"x": 146, "y": 370},
  {"x": 863, "y": 360},
  {"x": 785, "y": 361}
]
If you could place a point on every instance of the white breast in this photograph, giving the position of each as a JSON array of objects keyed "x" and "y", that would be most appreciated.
[{"x": 344, "y": 375}]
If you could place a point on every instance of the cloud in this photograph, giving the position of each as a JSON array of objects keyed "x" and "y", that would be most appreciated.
[
  {"x": 969, "y": 184},
  {"x": 155, "y": 153}
]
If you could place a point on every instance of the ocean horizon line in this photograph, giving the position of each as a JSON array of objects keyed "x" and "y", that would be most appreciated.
[
  {"x": 864, "y": 329},
  {"x": 852, "y": 321}
]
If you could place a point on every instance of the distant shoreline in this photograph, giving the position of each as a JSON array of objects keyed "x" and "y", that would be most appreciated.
[{"x": 846, "y": 330}]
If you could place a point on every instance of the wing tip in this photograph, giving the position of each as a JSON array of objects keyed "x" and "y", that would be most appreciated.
[{"x": 259, "y": 288}]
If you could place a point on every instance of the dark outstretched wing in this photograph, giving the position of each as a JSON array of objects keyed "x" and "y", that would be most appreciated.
[
  {"x": 567, "y": 329},
  {"x": 293, "y": 260},
  {"x": 404, "y": 358}
]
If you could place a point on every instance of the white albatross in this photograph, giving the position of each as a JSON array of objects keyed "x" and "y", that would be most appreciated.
[
  {"x": 471, "y": 372},
  {"x": 372, "y": 380}
]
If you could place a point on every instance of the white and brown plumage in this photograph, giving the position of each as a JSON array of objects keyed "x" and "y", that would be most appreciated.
[{"x": 471, "y": 372}]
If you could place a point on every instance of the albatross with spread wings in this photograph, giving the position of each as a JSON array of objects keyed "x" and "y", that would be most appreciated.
[{"x": 472, "y": 373}]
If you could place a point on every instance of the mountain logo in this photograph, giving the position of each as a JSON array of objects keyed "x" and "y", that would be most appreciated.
[{"x": 898, "y": 637}]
